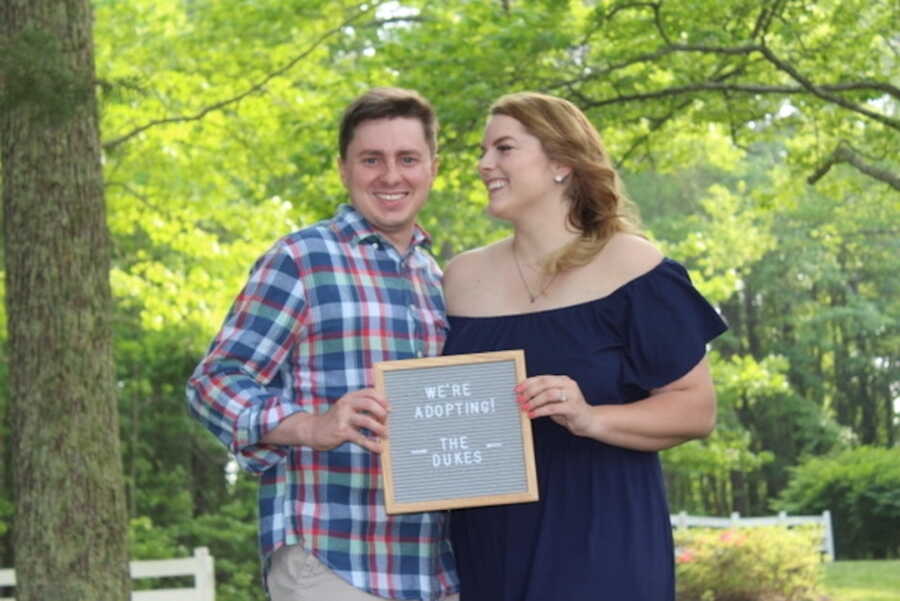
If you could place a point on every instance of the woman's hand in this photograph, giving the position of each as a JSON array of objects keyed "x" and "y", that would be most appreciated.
[
  {"x": 556, "y": 397},
  {"x": 682, "y": 410}
]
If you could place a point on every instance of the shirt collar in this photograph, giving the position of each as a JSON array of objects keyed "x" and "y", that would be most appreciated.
[{"x": 349, "y": 224}]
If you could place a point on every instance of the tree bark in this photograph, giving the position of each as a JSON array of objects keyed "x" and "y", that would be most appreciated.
[{"x": 70, "y": 530}]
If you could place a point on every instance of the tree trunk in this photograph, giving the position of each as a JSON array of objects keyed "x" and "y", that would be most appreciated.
[
  {"x": 70, "y": 530},
  {"x": 751, "y": 320}
]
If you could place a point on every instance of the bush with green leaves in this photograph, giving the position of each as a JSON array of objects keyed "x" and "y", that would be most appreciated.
[
  {"x": 229, "y": 532},
  {"x": 861, "y": 488},
  {"x": 760, "y": 563}
]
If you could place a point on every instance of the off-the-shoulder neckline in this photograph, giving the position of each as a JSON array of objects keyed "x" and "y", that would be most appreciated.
[{"x": 600, "y": 299}]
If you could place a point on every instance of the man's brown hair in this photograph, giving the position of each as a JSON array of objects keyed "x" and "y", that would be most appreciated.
[{"x": 388, "y": 103}]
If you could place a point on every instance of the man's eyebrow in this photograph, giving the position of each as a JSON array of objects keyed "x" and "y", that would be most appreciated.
[{"x": 372, "y": 151}]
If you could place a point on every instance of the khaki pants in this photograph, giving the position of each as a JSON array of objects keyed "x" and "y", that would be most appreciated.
[{"x": 296, "y": 575}]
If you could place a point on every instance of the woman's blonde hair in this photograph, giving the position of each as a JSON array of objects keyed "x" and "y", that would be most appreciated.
[{"x": 598, "y": 206}]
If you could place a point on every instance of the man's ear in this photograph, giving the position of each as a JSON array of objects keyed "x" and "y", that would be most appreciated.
[
  {"x": 342, "y": 169},
  {"x": 435, "y": 162}
]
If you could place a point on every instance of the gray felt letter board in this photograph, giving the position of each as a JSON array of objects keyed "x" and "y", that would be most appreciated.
[{"x": 456, "y": 436}]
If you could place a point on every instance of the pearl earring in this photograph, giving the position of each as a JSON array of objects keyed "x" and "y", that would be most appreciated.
[{"x": 559, "y": 179}]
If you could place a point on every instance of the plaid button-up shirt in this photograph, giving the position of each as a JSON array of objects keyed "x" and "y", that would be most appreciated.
[{"x": 318, "y": 310}]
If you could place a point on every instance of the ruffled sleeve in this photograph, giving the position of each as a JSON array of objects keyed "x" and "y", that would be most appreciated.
[{"x": 667, "y": 326}]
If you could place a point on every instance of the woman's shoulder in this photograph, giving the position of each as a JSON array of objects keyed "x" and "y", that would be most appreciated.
[
  {"x": 626, "y": 257},
  {"x": 470, "y": 262},
  {"x": 632, "y": 255},
  {"x": 471, "y": 273}
]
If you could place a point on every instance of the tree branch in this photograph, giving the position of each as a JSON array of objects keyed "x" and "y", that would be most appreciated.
[
  {"x": 824, "y": 94},
  {"x": 753, "y": 89},
  {"x": 656, "y": 123},
  {"x": 820, "y": 91},
  {"x": 657, "y": 20},
  {"x": 863, "y": 85},
  {"x": 654, "y": 6},
  {"x": 762, "y": 22},
  {"x": 703, "y": 86},
  {"x": 641, "y": 58},
  {"x": 257, "y": 87},
  {"x": 845, "y": 154},
  {"x": 392, "y": 20},
  {"x": 765, "y": 19}
]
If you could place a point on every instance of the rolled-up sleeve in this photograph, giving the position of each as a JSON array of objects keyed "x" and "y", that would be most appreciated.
[{"x": 242, "y": 390}]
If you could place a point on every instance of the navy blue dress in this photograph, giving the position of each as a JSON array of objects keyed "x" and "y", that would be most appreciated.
[{"x": 601, "y": 528}]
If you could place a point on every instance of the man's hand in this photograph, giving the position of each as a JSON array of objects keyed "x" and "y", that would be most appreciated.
[
  {"x": 345, "y": 421},
  {"x": 350, "y": 414}
]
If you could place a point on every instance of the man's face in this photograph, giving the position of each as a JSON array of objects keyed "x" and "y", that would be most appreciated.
[{"x": 388, "y": 172}]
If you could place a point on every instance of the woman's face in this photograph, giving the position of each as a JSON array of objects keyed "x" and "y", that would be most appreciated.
[{"x": 515, "y": 169}]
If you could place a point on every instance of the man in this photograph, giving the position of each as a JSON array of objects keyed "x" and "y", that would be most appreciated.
[{"x": 286, "y": 384}]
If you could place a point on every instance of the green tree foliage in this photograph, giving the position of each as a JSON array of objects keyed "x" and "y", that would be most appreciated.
[
  {"x": 651, "y": 71},
  {"x": 811, "y": 289},
  {"x": 861, "y": 488}
]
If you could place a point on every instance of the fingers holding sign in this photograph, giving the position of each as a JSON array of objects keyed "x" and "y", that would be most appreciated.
[
  {"x": 358, "y": 417},
  {"x": 557, "y": 397}
]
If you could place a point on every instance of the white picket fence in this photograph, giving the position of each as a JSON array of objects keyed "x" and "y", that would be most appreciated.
[
  {"x": 683, "y": 520},
  {"x": 200, "y": 566}
]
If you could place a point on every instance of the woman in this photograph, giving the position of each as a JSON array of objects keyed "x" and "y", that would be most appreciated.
[{"x": 614, "y": 337}]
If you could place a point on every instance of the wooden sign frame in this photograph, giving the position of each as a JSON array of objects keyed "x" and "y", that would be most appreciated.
[{"x": 521, "y": 423}]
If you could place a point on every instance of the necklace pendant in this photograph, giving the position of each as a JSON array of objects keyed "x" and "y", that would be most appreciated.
[{"x": 532, "y": 297}]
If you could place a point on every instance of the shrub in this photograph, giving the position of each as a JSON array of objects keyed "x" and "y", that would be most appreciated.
[
  {"x": 861, "y": 488},
  {"x": 761, "y": 563}
]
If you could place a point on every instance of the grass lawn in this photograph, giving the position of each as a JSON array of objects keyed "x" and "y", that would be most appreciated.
[{"x": 863, "y": 580}]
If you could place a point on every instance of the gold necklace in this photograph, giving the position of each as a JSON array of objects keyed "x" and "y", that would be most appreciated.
[{"x": 533, "y": 297}]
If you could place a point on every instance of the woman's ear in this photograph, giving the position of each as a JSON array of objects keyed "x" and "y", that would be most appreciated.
[{"x": 561, "y": 173}]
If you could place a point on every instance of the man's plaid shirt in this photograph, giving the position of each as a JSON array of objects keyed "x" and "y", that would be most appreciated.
[{"x": 318, "y": 310}]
